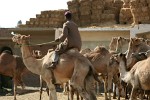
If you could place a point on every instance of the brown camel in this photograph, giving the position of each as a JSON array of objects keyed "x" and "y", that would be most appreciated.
[
  {"x": 100, "y": 58},
  {"x": 86, "y": 50},
  {"x": 138, "y": 76},
  {"x": 73, "y": 63},
  {"x": 136, "y": 45},
  {"x": 13, "y": 66}
]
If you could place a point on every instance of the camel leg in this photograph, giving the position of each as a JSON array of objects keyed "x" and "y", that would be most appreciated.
[
  {"x": 105, "y": 87},
  {"x": 15, "y": 87},
  {"x": 114, "y": 91},
  {"x": 110, "y": 85},
  {"x": 52, "y": 91},
  {"x": 97, "y": 88},
  {"x": 133, "y": 94},
  {"x": 70, "y": 92},
  {"x": 41, "y": 87},
  {"x": 65, "y": 88}
]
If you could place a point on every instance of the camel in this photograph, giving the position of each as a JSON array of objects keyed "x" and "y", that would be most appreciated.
[
  {"x": 72, "y": 61},
  {"x": 113, "y": 44},
  {"x": 138, "y": 76},
  {"x": 100, "y": 58},
  {"x": 12, "y": 66},
  {"x": 86, "y": 50},
  {"x": 121, "y": 42},
  {"x": 117, "y": 43},
  {"x": 136, "y": 45}
]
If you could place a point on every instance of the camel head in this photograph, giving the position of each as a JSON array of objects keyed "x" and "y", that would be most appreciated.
[
  {"x": 134, "y": 45},
  {"x": 121, "y": 57},
  {"x": 20, "y": 39},
  {"x": 135, "y": 57},
  {"x": 122, "y": 40},
  {"x": 86, "y": 50},
  {"x": 37, "y": 54},
  {"x": 113, "y": 60},
  {"x": 113, "y": 43}
]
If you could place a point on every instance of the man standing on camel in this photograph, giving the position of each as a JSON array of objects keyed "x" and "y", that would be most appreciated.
[{"x": 70, "y": 38}]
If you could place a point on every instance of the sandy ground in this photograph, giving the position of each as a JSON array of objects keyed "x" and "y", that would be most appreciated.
[{"x": 33, "y": 94}]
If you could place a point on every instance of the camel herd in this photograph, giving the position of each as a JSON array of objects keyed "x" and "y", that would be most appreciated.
[{"x": 84, "y": 69}]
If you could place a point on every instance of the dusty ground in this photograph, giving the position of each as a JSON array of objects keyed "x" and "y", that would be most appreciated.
[{"x": 33, "y": 94}]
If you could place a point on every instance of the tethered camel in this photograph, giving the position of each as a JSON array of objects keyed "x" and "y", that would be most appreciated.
[
  {"x": 72, "y": 61},
  {"x": 138, "y": 76},
  {"x": 13, "y": 66}
]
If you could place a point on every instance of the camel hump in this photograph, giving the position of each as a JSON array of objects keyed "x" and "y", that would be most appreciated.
[{"x": 6, "y": 49}]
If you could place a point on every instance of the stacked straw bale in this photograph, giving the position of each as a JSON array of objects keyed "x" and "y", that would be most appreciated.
[
  {"x": 118, "y": 4},
  {"x": 125, "y": 16},
  {"x": 85, "y": 12},
  {"x": 51, "y": 18},
  {"x": 140, "y": 11},
  {"x": 73, "y": 6},
  {"x": 97, "y": 9},
  {"x": 109, "y": 12}
]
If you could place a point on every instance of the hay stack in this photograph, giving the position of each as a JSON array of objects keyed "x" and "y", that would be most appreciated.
[
  {"x": 126, "y": 16},
  {"x": 96, "y": 11},
  {"x": 140, "y": 11},
  {"x": 118, "y": 4},
  {"x": 85, "y": 12},
  {"x": 73, "y": 6},
  {"x": 109, "y": 12},
  {"x": 51, "y": 18}
]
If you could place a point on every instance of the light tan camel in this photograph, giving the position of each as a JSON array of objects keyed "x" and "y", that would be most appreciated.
[
  {"x": 121, "y": 42},
  {"x": 100, "y": 58},
  {"x": 117, "y": 44},
  {"x": 138, "y": 76},
  {"x": 78, "y": 69},
  {"x": 12, "y": 66},
  {"x": 113, "y": 44},
  {"x": 136, "y": 45}
]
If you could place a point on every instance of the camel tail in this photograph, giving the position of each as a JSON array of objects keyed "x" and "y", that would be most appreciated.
[{"x": 89, "y": 83}]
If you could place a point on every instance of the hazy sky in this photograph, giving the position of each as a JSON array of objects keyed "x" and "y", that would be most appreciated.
[{"x": 11, "y": 11}]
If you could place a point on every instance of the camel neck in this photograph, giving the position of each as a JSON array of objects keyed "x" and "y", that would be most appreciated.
[
  {"x": 30, "y": 62},
  {"x": 122, "y": 69}
]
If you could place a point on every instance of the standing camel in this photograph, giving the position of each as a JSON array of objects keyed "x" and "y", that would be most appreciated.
[
  {"x": 100, "y": 58},
  {"x": 12, "y": 66},
  {"x": 138, "y": 76},
  {"x": 136, "y": 45},
  {"x": 78, "y": 69}
]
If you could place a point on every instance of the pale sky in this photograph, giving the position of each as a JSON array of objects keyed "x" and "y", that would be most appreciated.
[{"x": 11, "y": 11}]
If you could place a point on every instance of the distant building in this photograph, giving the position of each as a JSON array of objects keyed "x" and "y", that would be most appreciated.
[{"x": 19, "y": 23}]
